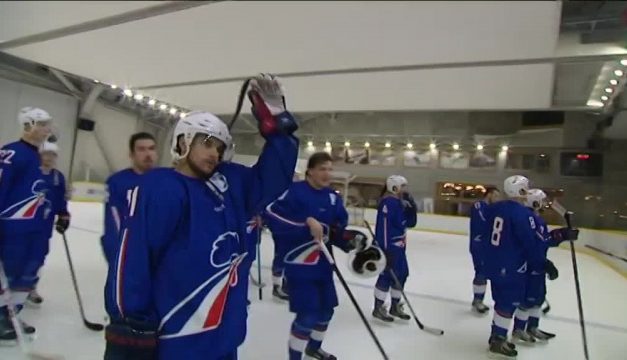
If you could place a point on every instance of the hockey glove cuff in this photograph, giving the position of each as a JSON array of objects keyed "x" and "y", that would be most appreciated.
[{"x": 551, "y": 271}]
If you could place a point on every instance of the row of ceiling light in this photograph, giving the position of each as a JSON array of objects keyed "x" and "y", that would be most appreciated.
[
  {"x": 154, "y": 103},
  {"x": 613, "y": 83},
  {"x": 409, "y": 145}
]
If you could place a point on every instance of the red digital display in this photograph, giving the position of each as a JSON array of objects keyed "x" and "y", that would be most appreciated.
[{"x": 583, "y": 156}]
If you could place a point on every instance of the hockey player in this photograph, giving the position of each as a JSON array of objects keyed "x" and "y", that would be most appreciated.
[
  {"x": 175, "y": 290},
  {"x": 396, "y": 212},
  {"x": 527, "y": 319},
  {"x": 478, "y": 233},
  {"x": 58, "y": 195},
  {"x": 143, "y": 155},
  {"x": 307, "y": 216},
  {"x": 23, "y": 206},
  {"x": 509, "y": 254}
]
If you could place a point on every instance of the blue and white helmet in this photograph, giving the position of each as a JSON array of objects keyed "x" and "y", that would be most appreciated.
[
  {"x": 199, "y": 122},
  {"x": 31, "y": 115}
]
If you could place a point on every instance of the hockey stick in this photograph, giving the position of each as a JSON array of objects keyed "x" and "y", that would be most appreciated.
[
  {"x": 568, "y": 217},
  {"x": 605, "y": 253},
  {"x": 21, "y": 339},
  {"x": 327, "y": 254},
  {"x": 89, "y": 325},
  {"x": 259, "y": 259},
  {"x": 422, "y": 326},
  {"x": 255, "y": 282},
  {"x": 547, "y": 308},
  {"x": 240, "y": 103}
]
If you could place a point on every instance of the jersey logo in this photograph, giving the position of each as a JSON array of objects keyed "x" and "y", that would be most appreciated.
[
  {"x": 333, "y": 199},
  {"x": 385, "y": 209},
  {"x": 400, "y": 242},
  {"x": 219, "y": 181},
  {"x": 27, "y": 208},
  {"x": 477, "y": 238},
  {"x": 305, "y": 254},
  {"x": 208, "y": 301}
]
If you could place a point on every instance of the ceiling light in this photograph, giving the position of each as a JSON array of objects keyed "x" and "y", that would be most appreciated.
[
  {"x": 504, "y": 148},
  {"x": 613, "y": 82},
  {"x": 183, "y": 115},
  {"x": 327, "y": 144},
  {"x": 455, "y": 146},
  {"x": 367, "y": 144},
  {"x": 594, "y": 103},
  {"x": 604, "y": 98},
  {"x": 163, "y": 106},
  {"x": 618, "y": 72},
  {"x": 388, "y": 145},
  {"x": 139, "y": 97},
  {"x": 96, "y": 81},
  {"x": 623, "y": 62},
  {"x": 173, "y": 110},
  {"x": 128, "y": 92},
  {"x": 310, "y": 143},
  {"x": 114, "y": 86},
  {"x": 152, "y": 102},
  {"x": 609, "y": 90},
  {"x": 432, "y": 146},
  {"x": 347, "y": 143},
  {"x": 479, "y": 147},
  {"x": 410, "y": 145}
]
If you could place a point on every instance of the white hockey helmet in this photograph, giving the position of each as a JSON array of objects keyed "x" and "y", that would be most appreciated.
[
  {"x": 49, "y": 147},
  {"x": 516, "y": 186},
  {"x": 535, "y": 198},
  {"x": 30, "y": 115},
  {"x": 367, "y": 263},
  {"x": 394, "y": 183},
  {"x": 199, "y": 122}
]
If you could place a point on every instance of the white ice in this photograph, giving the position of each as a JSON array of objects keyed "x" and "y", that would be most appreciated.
[{"x": 439, "y": 288}]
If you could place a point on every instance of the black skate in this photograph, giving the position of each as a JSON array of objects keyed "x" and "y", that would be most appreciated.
[
  {"x": 500, "y": 349},
  {"x": 8, "y": 337},
  {"x": 479, "y": 307},
  {"x": 397, "y": 311},
  {"x": 523, "y": 338},
  {"x": 381, "y": 313},
  {"x": 34, "y": 299},
  {"x": 319, "y": 354},
  {"x": 279, "y": 294},
  {"x": 538, "y": 334}
]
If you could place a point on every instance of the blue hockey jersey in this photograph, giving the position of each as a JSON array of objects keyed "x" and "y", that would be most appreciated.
[
  {"x": 23, "y": 201},
  {"x": 478, "y": 226},
  {"x": 179, "y": 265},
  {"x": 58, "y": 196},
  {"x": 543, "y": 235},
  {"x": 393, "y": 219},
  {"x": 512, "y": 246},
  {"x": 119, "y": 187},
  {"x": 287, "y": 216}
]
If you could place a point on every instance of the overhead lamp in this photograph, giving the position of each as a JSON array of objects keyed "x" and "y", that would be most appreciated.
[
  {"x": 623, "y": 62},
  {"x": 347, "y": 143},
  {"x": 504, "y": 148},
  {"x": 173, "y": 111},
  {"x": 410, "y": 145},
  {"x": 310, "y": 143},
  {"x": 128, "y": 92},
  {"x": 618, "y": 72},
  {"x": 479, "y": 147},
  {"x": 604, "y": 98},
  {"x": 388, "y": 145},
  {"x": 152, "y": 102},
  {"x": 163, "y": 106},
  {"x": 327, "y": 144},
  {"x": 114, "y": 86},
  {"x": 139, "y": 97},
  {"x": 455, "y": 146},
  {"x": 182, "y": 115},
  {"x": 97, "y": 81},
  {"x": 432, "y": 146},
  {"x": 367, "y": 144},
  {"x": 609, "y": 90},
  {"x": 613, "y": 82}
]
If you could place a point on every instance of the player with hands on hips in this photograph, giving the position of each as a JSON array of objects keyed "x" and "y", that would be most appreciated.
[
  {"x": 527, "y": 319},
  {"x": 178, "y": 286},
  {"x": 310, "y": 214},
  {"x": 23, "y": 210},
  {"x": 396, "y": 212}
]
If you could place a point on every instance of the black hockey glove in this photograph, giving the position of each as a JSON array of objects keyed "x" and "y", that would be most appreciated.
[
  {"x": 63, "y": 223},
  {"x": 408, "y": 201},
  {"x": 130, "y": 340},
  {"x": 268, "y": 101},
  {"x": 565, "y": 234},
  {"x": 551, "y": 271}
]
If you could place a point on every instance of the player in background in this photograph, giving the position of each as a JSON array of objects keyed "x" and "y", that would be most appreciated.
[
  {"x": 527, "y": 318},
  {"x": 58, "y": 195},
  {"x": 310, "y": 214},
  {"x": 478, "y": 234},
  {"x": 510, "y": 253},
  {"x": 23, "y": 205},
  {"x": 143, "y": 155},
  {"x": 177, "y": 289},
  {"x": 397, "y": 211}
]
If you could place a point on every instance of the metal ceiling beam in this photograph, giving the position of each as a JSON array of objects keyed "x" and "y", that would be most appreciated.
[
  {"x": 398, "y": 68},
  {"x": 68, "y": 85},
  {"x": 130, "y": 16}
]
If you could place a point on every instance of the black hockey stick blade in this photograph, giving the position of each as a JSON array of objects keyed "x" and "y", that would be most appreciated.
[
  {"x": 93, "y": 326},
  {"x": 256, "y": 283},
  {"x": 240, "y": 103}
]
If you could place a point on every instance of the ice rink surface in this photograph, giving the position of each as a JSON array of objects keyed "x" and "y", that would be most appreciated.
[{"x": 439, "y": 288}]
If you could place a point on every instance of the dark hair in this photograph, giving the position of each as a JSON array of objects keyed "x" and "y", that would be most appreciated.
[
  {"x": 139, "y": 136},
  {"x": 317, "y": 159},
  {"x": 489, "y": 190}
]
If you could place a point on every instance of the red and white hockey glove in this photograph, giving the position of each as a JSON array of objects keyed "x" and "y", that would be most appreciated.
[{"x": 267, "y": 98}]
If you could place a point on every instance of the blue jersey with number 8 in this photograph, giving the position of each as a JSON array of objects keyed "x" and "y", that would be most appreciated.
[{"x": 511, "y": 246}]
